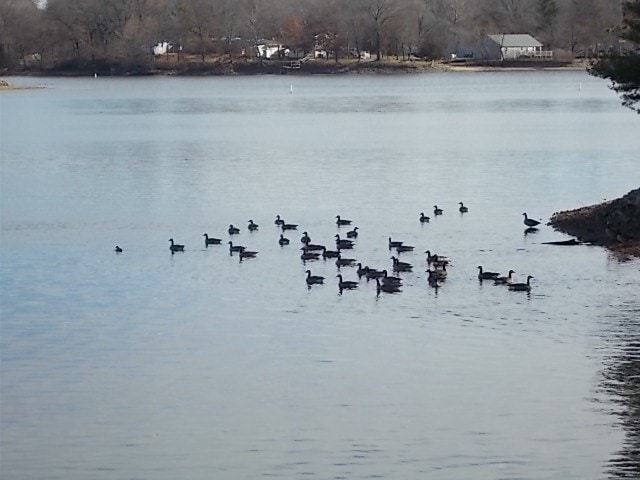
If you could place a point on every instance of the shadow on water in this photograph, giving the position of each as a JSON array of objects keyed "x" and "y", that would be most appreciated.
[{"x": 620, "y": 381}]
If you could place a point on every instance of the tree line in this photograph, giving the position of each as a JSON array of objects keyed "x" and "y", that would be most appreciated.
[{"x": 50, "y": 34}]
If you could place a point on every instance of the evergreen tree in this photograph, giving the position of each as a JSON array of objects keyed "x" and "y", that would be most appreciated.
[{"x": 623, "y": 68}]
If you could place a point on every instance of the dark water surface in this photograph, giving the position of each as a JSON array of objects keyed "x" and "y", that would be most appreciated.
[{"x": 149, "y": 365}]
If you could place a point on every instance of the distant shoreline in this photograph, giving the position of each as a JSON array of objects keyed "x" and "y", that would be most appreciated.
[{"x": 243, "y": 67}]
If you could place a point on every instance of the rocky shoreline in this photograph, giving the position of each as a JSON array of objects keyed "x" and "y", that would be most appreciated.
[{"x": 614, "y": 224}]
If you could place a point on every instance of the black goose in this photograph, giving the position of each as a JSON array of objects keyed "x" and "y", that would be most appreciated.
[
  {"x": 344, "y": 262},
  {"x": 437, "y": 211},
  {"x": 343, "y": 244},
  {"x": 278, "y": 221},
  {"x": 424, "y": 218},
  {"x": 314, "y": 279},
  {"x": 462, "y": 208},
  {"x": 530, "y": 222},
  {"x": 305, "y": 238},
  {"x": 399, "y": 266},
  {"x": 436, "y": 258},
  {"x": 330, "y": 253},
  {"x": 346, "y": 284},
  {"x": 340, "y": 221},
  {"x": 482, "y": 275},
  {"x": 247, "y": 254},
  {"x": 353, "y": 233},
  {"x": 440, "y": 273},
  {"x": 283, "y": 241},
  {"x": 394, "y": 243},
  {"x": 174, "y": 247},
  {"x": 288, "y": 226},
  {"x": 386, "y": 278},
  {"x": 211, "y": 241},
  {"x": 314, "y": 247},
  {"x": 373, "y": 273},
  {"x": 504, "y": 280},
  {"x": 252, "y": 226},
  {"x": 386, "y": 287},
  {"x": 432, "y": 279},
  {"x": 306, "y": 255},
  {"x": 404, "y": 248},
  {"x": 235, "y": 248},
  {"x": 233, "y": 230},
  {"x": 521, "y": 287},
  {"x": 362, "y": 271},
  {"x": 118, "y": 249}
]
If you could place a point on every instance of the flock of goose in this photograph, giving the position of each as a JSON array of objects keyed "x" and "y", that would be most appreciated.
[{"x": 436, "y": 264}]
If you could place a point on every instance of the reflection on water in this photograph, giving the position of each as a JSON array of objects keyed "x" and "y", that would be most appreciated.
[{"x": 621, "y": 383}]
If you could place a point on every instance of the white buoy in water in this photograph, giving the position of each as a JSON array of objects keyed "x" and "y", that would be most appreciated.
[
  {"x": 580, "y": 86},
  {"x": 291, "y": 89},
  {"x": 95, "y": 75}
]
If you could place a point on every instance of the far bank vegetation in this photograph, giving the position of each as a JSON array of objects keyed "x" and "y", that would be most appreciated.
[{"x": 119, "y": 36}]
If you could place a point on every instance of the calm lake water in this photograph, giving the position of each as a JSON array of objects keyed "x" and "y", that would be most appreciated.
[{"x": 147, "y": 365}]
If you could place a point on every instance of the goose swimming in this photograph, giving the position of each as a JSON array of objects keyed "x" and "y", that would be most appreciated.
[
  {"x": 504, "y": 280},
  {"x": 211, "y": 241},
  {"x": 346, "y": 284},
  {"x": 341, "y": 222},
  {"x": 521, "y": 287},
  {"x": 252, "y": 226},
  {"x": 482, "y": 275},
  {"x": 314, "y": 279},
  {"x": 424, "y": 218},
  {"x": 233, "y": 230},
  {"x": 437, "y": 211},
  {"x": 174, "y": 247},
  {"x": 283, "y": 241},
  {"x": 462, "y": 208},
  {"x": 353, "y": 233}
]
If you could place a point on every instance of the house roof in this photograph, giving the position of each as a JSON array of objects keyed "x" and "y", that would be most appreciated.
[{"x": 515, "y": 40}]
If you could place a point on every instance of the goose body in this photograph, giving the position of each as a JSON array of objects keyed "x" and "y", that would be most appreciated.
[
  {"x": 211, "y": 241},
  {"x": 386, "y": 278},
  {"x": 344, "y": 262},
  {"x": 343, "y": 244},
  {"x": 432, "y": 279},
  {"x": 252, "y": 226},
  {"x": 462, "y": 208},
  {"x": 362, "y": 271},
  {"x": 340, "y": 221},
  {"x": 330, "y": 253},
  {"x": 235, "y": 248},
  {"x": 346, "y": 284},
  {"x": 440, "y": 274},
  {"x": 386, "y": 287},
  {"x": 247, "y": 254},
  {"x": 117, "y": 249},
  {"x": 504, "y": 280},
  {"x": 399, "y": 266},
  {"x": 283, "y": 241},
  {"x": 307, "y": 255},
  {"x": 288, "y": 226},
  {"x": 314, "y": 247},
  {"x": 404, "y": 248},
  {"x": 278, "y": 221},
  {"x": 436, "y": 259},
  {"x": 521, "y": 287},
  {"x": 394, "y": 243},
  {"x": 353, "y": 233},
  {"x": 437, "y": 211},
  {"x": 174, "y": 247},
  {"x": 530, "y": 222},
  {"x": 233, "y": 230},
  {"x": 373, "y": 273},
  {"x": 482, "y": 275},
  {"x": 424, "y": 218},
  {"x": 314, "y": 279}
]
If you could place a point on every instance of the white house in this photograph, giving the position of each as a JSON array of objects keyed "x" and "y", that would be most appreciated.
[
  {"x": 268, "y": 49},
  {"x": 511, "y": 46},
  {"x": 161, "y": 48}
]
